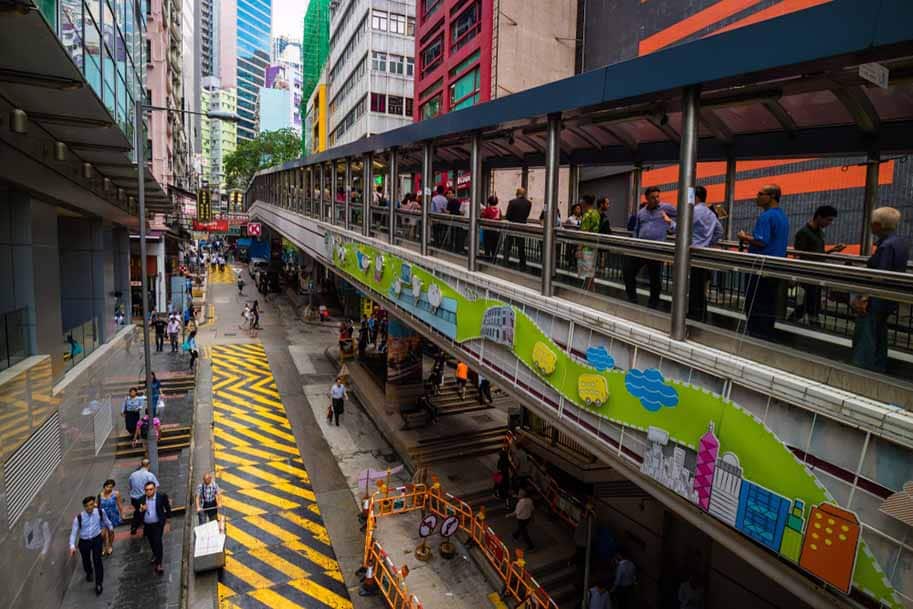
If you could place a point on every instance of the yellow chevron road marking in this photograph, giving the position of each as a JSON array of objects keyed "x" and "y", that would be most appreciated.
[
  {"x": 315, "y": 590},
  {"x": 222, "y": 455},
  {"x": 261, "y": 495},
  {"x": 297, "y": 491},
  {"x": 240, "y": 507},
  {"x": 260, "y": 425},
  {"x": 266, "y": 476},
  {"x": 318, "y": 531},
  {"x": 224, "y": 591},
  {"x": 246, "y": 574},
  {"x": 273, "y": 599},
  {"x": 325, "y": 562},
  {"x": 279, "y": 563},
  {"x": 244, "y": 538},
  {"x": 290, "y": 469},
  {"x": 254, "y": 452},
  {"x": 265, "y": 413}
]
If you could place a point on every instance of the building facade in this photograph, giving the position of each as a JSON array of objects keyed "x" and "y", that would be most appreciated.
[
  {"x": 254, "y": 36},
  {"x": 274, "y": 109},
  {"x": 371, "y": 67},
  {"x": 314, "y": 136},
  {"x": 471, "y": 52},
  {"x": 219, "y": 138},
  {"x": 209, "y": 37},
  {"x": 314, "y": 49},
  {"x": 280, "y": 97}
]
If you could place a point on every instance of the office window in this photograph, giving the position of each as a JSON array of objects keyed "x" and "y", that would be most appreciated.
[
  {"x": 396, "y": 64},
  {"x": 395, "y": 105},
  {"x": 410, "y": 26},
  {"x": 408, "y": 106},
  {"x": 148, "y": 97},
  {"x": 378, "y": 61},
  {"x": 410, "y": 66},
  {"x": 148, "y": 51},
  {"x": 429, "y": 6},
  {"x": 397, "y": 24},
  {"x": 432, "y": 54},
  {"x": 432, "y": 107},
  {"x": 466, "y": 26},
  {"x": 379, "y": 21},
  {"x": 379, "y": 102},
  {"x": 465, "y": 91}
]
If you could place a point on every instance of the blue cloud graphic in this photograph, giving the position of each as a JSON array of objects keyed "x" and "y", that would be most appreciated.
[
  {"x": 650, "y": 388},
  {"x": 599, "y": 358}
]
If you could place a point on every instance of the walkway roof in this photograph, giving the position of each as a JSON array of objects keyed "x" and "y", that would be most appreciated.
[{"x": 785, "y": 87}]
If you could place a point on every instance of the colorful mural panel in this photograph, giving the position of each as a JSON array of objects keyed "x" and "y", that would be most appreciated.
[{"x": 703, "y": 447}]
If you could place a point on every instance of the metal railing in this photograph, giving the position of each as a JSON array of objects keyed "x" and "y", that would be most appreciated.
[{"x": 834, "y": 279}]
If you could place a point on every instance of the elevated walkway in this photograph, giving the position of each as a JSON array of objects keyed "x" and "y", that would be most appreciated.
[{"x": 762, "y": 416}]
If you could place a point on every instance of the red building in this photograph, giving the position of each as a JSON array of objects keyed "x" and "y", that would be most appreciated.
[{"x": 453, "y": 51}]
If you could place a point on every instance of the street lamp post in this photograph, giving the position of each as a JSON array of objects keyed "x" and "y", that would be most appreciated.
[{"x": 139, "y": 151}]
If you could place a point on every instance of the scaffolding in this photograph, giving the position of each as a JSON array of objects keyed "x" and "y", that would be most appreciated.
[{"x": 315, "y": 44}]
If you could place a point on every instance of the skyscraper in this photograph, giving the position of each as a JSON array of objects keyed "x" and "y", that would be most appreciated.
[
  {"x": 245, "y": 44},
  {"x": 314, "y": 50}
]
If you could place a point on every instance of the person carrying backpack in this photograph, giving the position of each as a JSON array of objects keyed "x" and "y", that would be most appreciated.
[
  {"x": 87, "y": 526},
  {"x": 142, "y": 428}
]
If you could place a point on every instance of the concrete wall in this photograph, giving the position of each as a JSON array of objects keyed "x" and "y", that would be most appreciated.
[
  {"x": 534, "y": 44},
  {"x": 86, "y": 274}
]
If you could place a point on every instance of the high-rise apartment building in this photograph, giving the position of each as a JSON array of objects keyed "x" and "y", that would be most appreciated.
[
  {"x": 314, "y": 50},
  {"x": 469, "y": 52},
  {"x": 191, "y": 60},
  {"x": 370, "y": 68},
  {"x": 209, "y": 37},
  {"x": 219, "y": 138},
  {"x": 282, "y": 86},
  {"x": 315, "y": 118}
]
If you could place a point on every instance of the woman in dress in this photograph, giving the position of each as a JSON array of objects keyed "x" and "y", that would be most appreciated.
[{"x": 109, "y": 502}]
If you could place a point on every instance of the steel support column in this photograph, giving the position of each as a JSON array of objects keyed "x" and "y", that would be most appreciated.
[
  {"x": 333, "y": 188},
  {"x": 573, "y": 187},
  {"x": 366, "y": 180},
  {"x": 393, "y": 179},
  {"x": 686, "y": 171},
  {"x": 870, "y": 201},
  {"x": 348, "y": 193},
  {"x": 552, "y": 161},
  {"x": 524, "y": 178},
  {"x": 475, "y": 199},
  {"x": 309, "y": 194},
  {"x": 729, "y": 193},
  {"x": 426, "y": 195},
  {"x": 634, "y": 201},
  {"x": 323, "y": 190}
]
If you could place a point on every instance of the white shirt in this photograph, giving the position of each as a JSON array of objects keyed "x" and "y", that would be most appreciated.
[
  {"x": 338, "y": 391},
  {"x": 599, "y": 599},
  {"x": 625, "y": 574},
  {"x": 150, "y": 516},
  {"x": 524, "y": 509}
]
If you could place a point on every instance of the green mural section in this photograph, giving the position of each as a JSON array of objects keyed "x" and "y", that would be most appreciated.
[{"x": 775, "y": 494}]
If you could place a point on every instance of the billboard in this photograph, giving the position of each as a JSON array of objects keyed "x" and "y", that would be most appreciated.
[{"x": 618, "y": 31}]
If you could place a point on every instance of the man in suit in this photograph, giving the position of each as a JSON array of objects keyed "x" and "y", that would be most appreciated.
[
  {"x": 517, "y": 211},
  {"x": 154, "y": 512}
]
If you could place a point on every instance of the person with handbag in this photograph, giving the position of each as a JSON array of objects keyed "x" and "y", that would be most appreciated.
[{"x": 337, "y": 401}]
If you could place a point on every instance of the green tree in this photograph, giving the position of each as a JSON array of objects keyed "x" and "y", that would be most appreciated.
[{"x": 268, "y": 149}]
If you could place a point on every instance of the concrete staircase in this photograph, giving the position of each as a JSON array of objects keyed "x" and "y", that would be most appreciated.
[{"x": 455, "y": 447}]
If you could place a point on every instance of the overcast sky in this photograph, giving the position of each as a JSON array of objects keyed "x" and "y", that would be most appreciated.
[{"x": 288, "y": 17}]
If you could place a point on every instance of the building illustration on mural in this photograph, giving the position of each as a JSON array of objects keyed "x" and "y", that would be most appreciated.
[
  {"x": 498, "y": 325},
  {"x": 792, "y": 534},
  {"x": 762, "y": 515},
  {"x": 707, "y": 451},
  {"x": 727, "y": 484},
  {"x": 670, "y": 472},
  {"x": 831, "y": 541}
]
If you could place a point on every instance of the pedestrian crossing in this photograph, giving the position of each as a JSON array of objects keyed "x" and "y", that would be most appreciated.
[
  {"x": 279, "y": 553},
  {"x": 225, "y": 276}
]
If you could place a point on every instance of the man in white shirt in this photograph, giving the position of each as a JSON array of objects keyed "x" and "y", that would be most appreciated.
[
  {"x": 137, "y": 483},
  {"x": 439, "y": 206},
  {"x": 87, "y": 525},
  {"x": 625, "y": 578},
  {"x": 523, "y": 512},
  {"x": 338, "y": 397}
]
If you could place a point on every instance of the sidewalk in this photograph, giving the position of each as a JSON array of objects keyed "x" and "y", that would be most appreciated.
[{"x": 129, "y": 581}]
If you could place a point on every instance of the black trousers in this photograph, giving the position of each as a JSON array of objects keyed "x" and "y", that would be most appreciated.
[
  {"x": 153, "y": 534},
  {"x": 135, "y": 504},
  {"x": 338, "y": 409},
  {"x": 490, "y": 239},
  {"x": 131, "y": 418},
  {"x": 697, "y": 294},
  {"x": 630, "y": 270},
  {"x": 811, "y": 302},
  {"x": 159, "y": 341},
  {"x": 90, "y": 551},
  {"x": 761, "y": 305},
  {"x": 522, "y": 533},
  {"x": 520, "y": 244},
  {"x": 484, "y": 392}
]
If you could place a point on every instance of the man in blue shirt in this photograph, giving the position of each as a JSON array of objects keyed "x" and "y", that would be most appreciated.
[
  {"x": 769, "y": 237},
  {"x": 137, "y": 483},
  {"x": 653, "y": 221},
  {"x": 87, "y": 527},
  {"x": 706, "y": 232},
  {"x": 870, "y": 336}
]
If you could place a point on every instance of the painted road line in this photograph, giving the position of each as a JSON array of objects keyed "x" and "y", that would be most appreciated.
[{"x": 280, "y": 552}]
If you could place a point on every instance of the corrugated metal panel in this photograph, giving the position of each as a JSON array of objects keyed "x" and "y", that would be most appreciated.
[
  {"x": 26, "y": 471},
  {"x": 618, "y": 489}
]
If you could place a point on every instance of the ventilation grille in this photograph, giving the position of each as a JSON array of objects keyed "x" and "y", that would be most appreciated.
[{"x": 30, "y": 466}]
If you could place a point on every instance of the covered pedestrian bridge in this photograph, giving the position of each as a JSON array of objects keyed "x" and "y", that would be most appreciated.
[{"x": 787, "y": 423}]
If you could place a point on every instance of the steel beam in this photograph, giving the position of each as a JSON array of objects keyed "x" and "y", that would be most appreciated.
[
  {"x": 552, "y": 160},
  {"x": 475, "y": 200}
]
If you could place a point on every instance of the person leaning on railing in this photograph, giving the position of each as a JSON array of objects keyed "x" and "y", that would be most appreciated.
[
  {"x": 870, "y": 336},
  {"x": 653, "y": 221}
]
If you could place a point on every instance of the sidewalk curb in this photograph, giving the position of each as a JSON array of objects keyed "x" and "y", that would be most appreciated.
[{"x": 188, "y": 515}]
